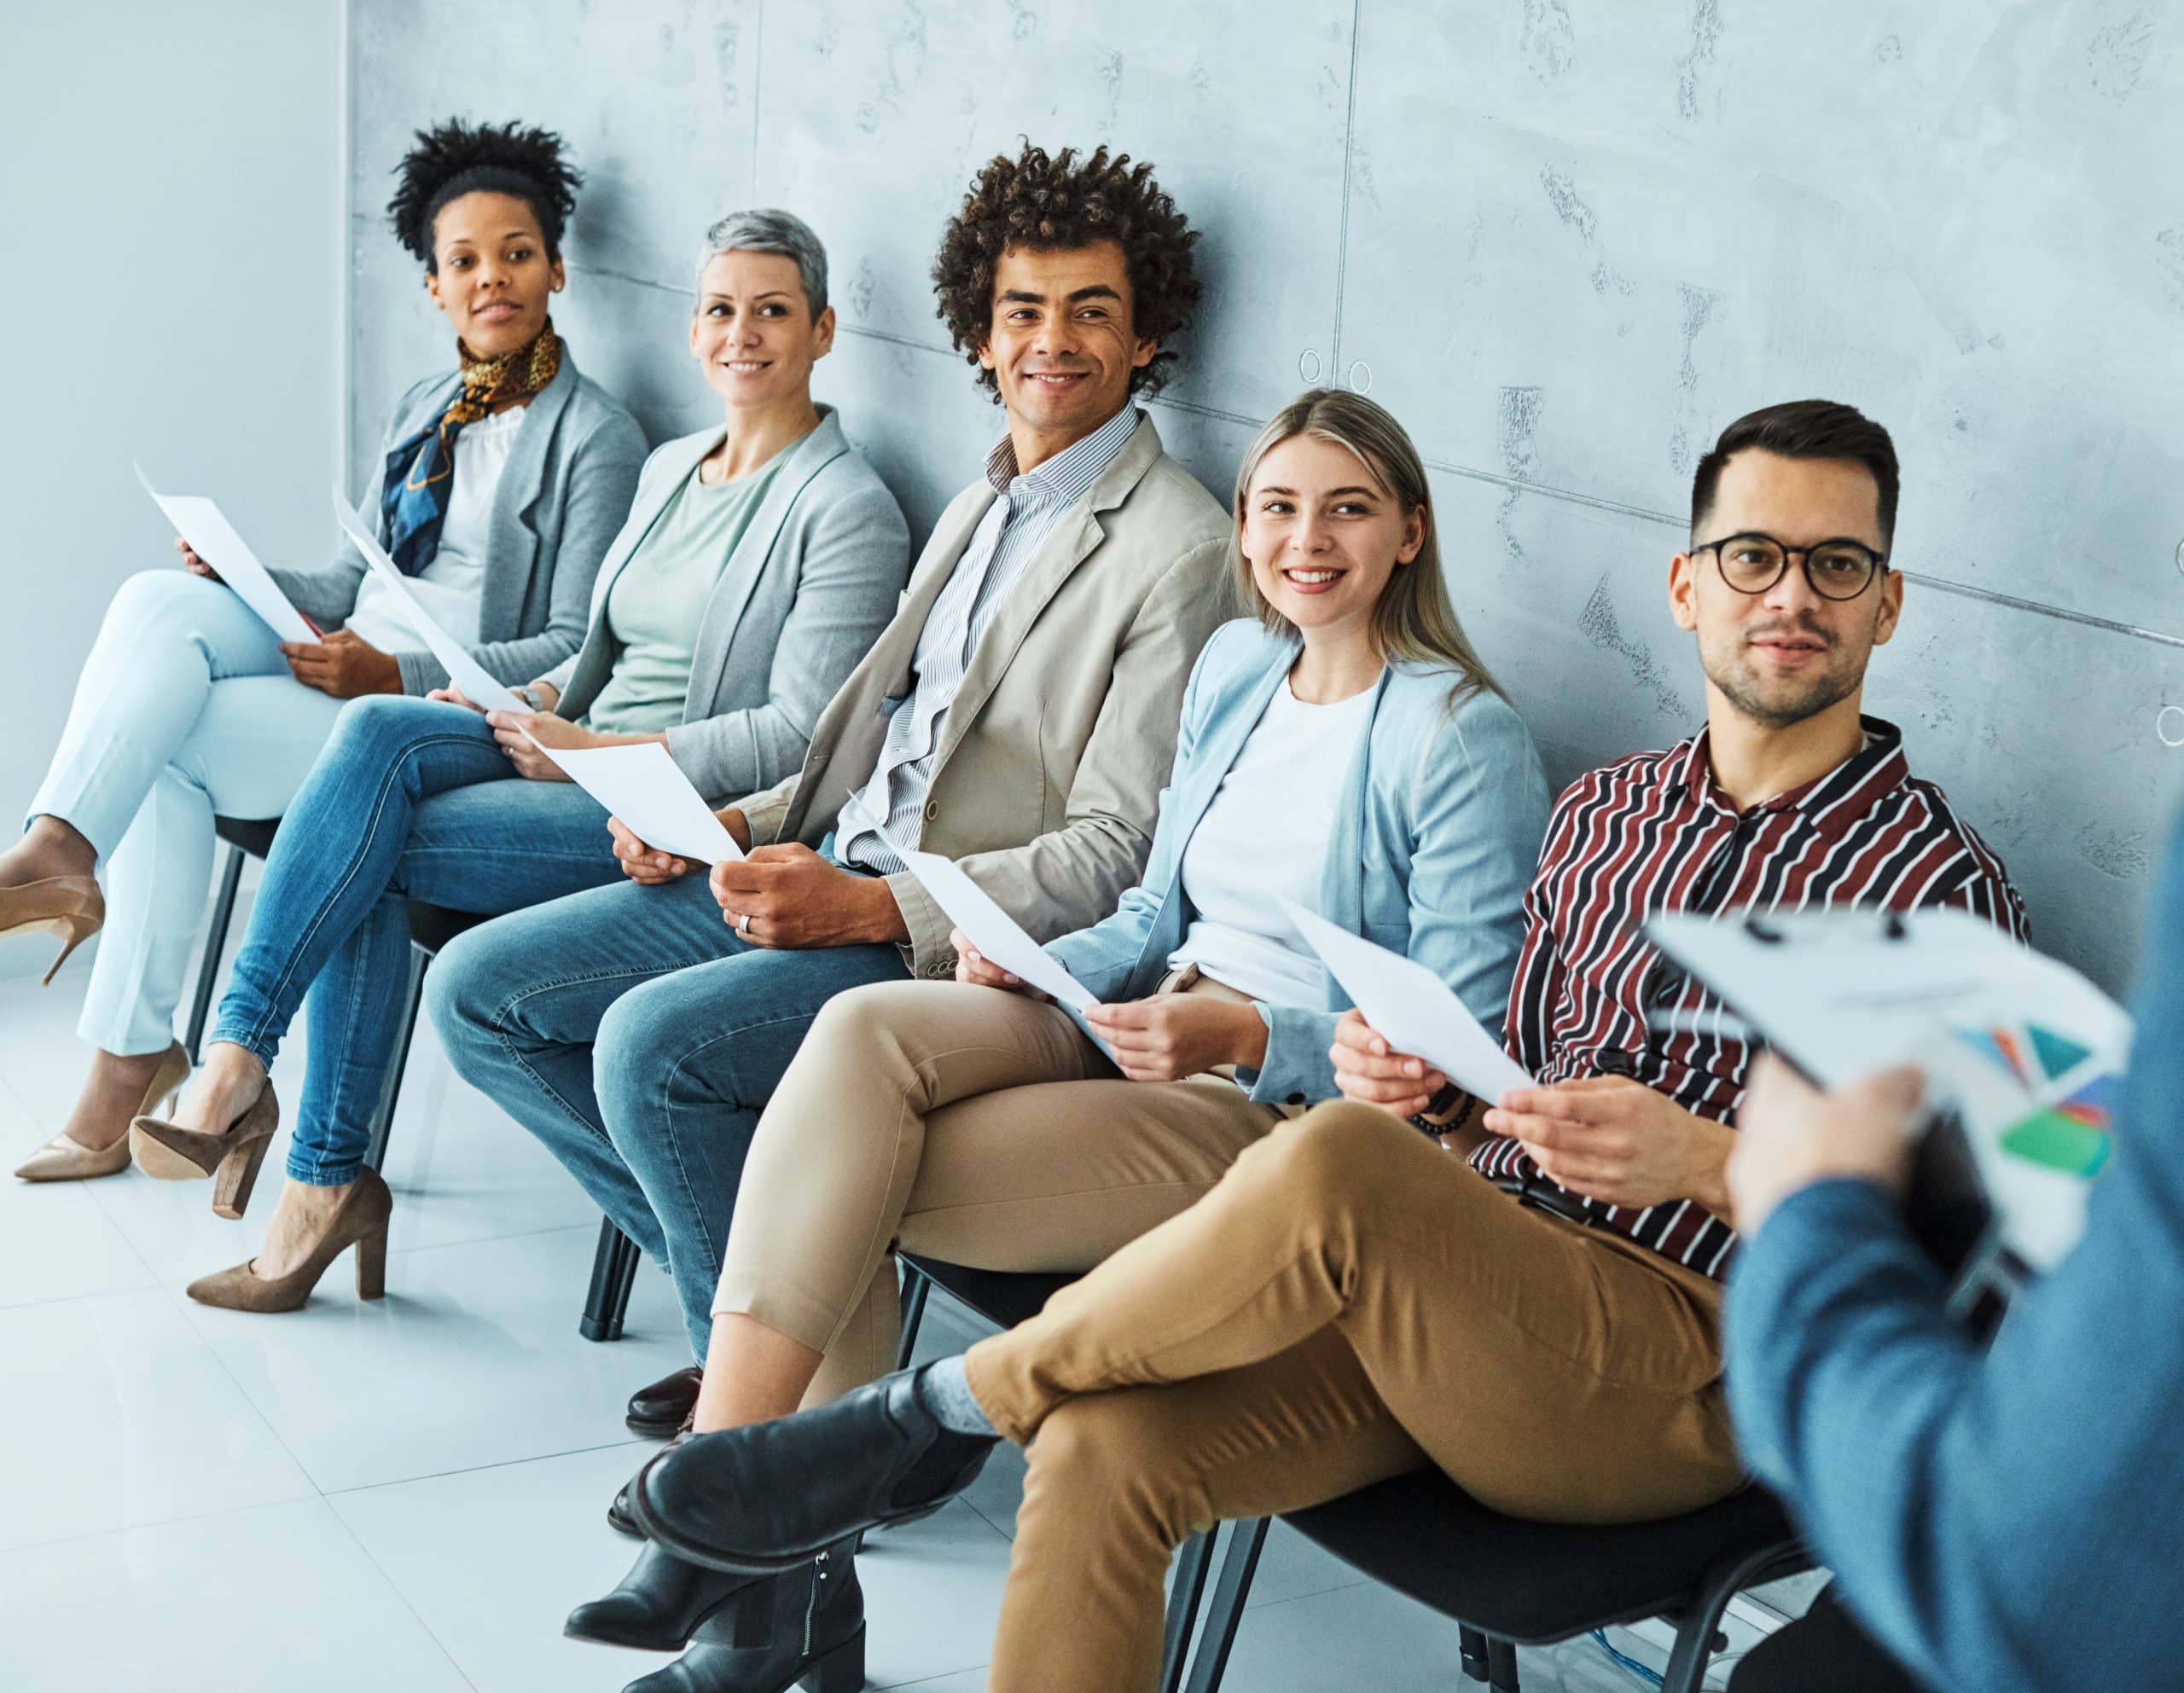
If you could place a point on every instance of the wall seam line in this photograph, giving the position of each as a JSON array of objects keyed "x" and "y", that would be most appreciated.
[
  {"x": 757, "y": 78},
  {"x": 1342, "y": 226}
]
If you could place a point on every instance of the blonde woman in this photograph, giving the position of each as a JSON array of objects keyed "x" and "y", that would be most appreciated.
[{"x": 1344, "y": 749}]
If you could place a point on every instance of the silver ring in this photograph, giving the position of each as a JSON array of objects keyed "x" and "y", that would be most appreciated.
[{"x": 743, "y": 924}]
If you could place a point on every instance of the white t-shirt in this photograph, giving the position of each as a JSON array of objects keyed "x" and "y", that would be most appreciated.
[
  {"x": 450, "y": 586},
  {"x": 1265, "y": 839}
]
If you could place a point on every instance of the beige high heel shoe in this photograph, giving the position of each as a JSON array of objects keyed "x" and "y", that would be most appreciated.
[
  {"x": 360, "y": 1220},
  {"x": 71, "y": 907},
  {"x": 62, "y": 1159},
  {"x": 172, "y": 1153}
]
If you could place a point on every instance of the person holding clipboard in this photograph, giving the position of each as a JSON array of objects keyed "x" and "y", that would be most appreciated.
[
  {"x": 1346, "y": 748},
  {"x": 1539, "y": 1318},
  {"x": 498, "y": 486},
  {"x": 760, "y": 557}
]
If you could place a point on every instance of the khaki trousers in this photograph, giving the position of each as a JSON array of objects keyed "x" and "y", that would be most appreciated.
[
  {"x": 1350, "y": 1303},
  {"x": 973, "y": 1126}
]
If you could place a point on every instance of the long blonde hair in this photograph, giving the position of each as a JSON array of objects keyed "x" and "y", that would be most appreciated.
[{"x": 1412, "y": 621}]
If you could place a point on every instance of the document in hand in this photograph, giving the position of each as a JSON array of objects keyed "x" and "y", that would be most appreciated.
[
  {"x": 644, "y": 786},
  {"x": 214, "y": 539},
  {"x": 2024, "y": 1052},
  {"x": 479, "y": 687},
  {"x": 993, "y": 931},
  {"x": 1414, "y": 1010}
]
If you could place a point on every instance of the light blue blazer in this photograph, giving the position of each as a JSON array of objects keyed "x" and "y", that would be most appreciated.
[{"x": 1436, "y": 837}]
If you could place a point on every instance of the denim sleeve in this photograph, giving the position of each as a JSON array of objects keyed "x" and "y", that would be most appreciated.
[
  {"x": 2003, "y": 1519},
  {"x": 2006, "y": 1519}
]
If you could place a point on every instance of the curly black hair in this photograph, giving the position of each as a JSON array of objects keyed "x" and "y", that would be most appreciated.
[
  {"x": 453, "y": 159},
  {"x": 1046, "y": 201}
]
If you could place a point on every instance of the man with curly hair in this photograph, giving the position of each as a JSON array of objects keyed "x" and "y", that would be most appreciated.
[{"x": 1019, "y": 716}]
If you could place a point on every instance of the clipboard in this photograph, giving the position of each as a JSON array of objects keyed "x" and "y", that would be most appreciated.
[{"x": 2022, "y": 1056}]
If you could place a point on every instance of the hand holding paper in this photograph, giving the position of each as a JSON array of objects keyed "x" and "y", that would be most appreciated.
[
  {"x": 643, "y": 787},
  {"x": 1412, "y": 1008},
  {"x": 214, "y": 539},
  {"x": 993, "y": 931},
  {"x": 467, "y": 673}
]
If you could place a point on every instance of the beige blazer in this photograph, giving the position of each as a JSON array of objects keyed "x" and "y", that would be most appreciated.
[{"x": 1052, "y": 757}]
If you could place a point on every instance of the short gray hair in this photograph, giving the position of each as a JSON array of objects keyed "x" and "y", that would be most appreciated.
[{"x": 768, "y": 229}]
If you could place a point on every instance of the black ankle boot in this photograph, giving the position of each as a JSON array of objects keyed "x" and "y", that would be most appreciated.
[
  {"x": 663, "y": 1602},
  {"x": 818, "y": 1621}
]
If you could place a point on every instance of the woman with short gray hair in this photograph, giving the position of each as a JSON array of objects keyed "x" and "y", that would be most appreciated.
[{"x": 761, "y": 558}]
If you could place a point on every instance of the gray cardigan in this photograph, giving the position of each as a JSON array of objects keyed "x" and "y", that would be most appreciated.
[
  {"x": 809, "y": 588},
  {"x": 563, "y": 494}
]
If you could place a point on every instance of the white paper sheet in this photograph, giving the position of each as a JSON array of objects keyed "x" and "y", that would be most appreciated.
[
  {"x": 644, "y": 786},
  {"x": 214, "y": 539},
  {"x": 1412, "y": 1008},
  {"x": 463, "y": 671},
  {"x": 993, "y": 931},
  {"x": 1841, "y": 993}
]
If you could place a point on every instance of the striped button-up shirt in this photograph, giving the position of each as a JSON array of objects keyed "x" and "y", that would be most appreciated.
[
  {"x": 883, "y": 818},
  {"x": 1655, "y": 834}
]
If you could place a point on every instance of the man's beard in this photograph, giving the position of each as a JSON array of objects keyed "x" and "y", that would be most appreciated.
[{"x": 1741, "y": 687}]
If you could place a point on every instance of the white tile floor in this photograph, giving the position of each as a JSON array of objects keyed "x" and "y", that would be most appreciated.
[{"x": 409, "y": 1494}]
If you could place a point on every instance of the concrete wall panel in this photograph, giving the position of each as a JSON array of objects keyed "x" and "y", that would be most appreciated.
[{"x": 1563, "y": 240}]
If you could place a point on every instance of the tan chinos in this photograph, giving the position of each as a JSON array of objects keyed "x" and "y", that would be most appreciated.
[
  {"x": 1350, "y": 1303},
  {"x": 968, "y": 1124}
]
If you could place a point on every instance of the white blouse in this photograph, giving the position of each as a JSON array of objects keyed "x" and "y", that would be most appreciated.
[
  {"x": 1265, "y": 839},
  {"x": 450, "y": 587}
]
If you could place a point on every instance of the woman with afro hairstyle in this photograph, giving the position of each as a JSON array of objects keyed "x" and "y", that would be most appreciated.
[
  {"x": 760, "y": 557},
  {"x": 497, "y": 489}
]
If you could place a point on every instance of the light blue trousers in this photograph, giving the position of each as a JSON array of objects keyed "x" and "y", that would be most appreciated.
[{"x": 185, "y": 709}]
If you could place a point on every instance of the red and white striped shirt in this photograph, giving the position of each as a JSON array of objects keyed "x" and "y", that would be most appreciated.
[{"x": 1654, "y": 833}]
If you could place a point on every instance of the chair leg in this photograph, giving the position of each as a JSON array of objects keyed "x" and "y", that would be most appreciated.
[
  {"x": 1472, "y": 1645},
  {"x": 614, "y": 1271},
  {"x": 216, "y": 943},
  {"x": 1502, "y": 1665},
  {"x": 383, "y": 1118},
  {"x": 1697, "y": 1630},
  {"x": 916, "y": 1285},
  {"x": 1230, "y": 1588},
  {"x": 1184, "y": 1595}
]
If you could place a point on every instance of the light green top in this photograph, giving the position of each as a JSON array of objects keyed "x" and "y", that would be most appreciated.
[{"x": 659, "y": 600}]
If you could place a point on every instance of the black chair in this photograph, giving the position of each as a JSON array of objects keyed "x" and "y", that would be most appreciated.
[
  {"x": 1005, "y": 1300},
  {"x": 1822, "y": 1651},
  {"x": 614, "y": 1263},
  {"x": 245, "y": 837},
  {"x": 1505, "y": 1581},
  {"x": 1509, "y": 1582}
]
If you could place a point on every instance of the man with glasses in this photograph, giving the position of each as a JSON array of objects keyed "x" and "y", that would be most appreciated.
[
  {"x": 1541, "y": 1319},
  {"x": 1790, "y": 796}
]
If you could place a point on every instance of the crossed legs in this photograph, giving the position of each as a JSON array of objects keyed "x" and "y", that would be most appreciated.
[
  {"x": 979, "y": 1126},
  {"x": 1351, "y": 1301}
]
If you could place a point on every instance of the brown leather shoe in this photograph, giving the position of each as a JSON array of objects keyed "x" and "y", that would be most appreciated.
[
  {"x": 360, "y": 1220},
  {"x": 664, "y": 1406},
  {"x": 62, "y": 1159}
]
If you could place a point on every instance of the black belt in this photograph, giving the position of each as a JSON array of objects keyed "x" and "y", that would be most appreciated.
[{"x": 1544, "y": 1195}]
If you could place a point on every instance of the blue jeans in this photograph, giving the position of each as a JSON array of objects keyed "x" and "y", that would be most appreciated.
[
  {"x": 411, "y": 800},
  {"x": 631, "y": 1030}
]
